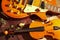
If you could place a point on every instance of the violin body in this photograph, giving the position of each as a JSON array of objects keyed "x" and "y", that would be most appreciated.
[
  {"x": 48, "y": 29},
  {"x": 36, "y": 35},
  {"x": 56, "y": 22}
]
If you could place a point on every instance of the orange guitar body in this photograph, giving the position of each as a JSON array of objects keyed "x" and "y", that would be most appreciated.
[
  {"x": 14, "y": 8},
  {"x": 49, "y": 29}
]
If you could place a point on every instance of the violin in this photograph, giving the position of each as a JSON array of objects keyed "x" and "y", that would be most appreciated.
[
  {"x": 38, "y": 29},
  {"x": 52, "y": 29},
  {"x": 20, "y": 8}
]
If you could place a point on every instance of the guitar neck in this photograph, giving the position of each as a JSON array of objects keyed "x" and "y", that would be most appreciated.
[{"x": 52, "y": 8}]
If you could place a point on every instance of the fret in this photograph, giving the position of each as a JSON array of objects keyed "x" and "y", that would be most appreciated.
[
  {"x": 55, "y": 9},
  {"x": 58, "y": 10},
  {"x": 52, "y": 7},
  {"x": 49, "y": 6},
  {"x": 46, "y": 6}
]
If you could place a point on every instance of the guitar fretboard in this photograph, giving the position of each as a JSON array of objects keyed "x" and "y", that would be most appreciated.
[{"x": 53, "y": 8}]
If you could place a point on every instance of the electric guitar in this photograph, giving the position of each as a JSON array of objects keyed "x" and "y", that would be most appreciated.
[
  {"x": 52, "y": 29},
  {"x": 14, "y": 8},
  {"x": 43, "y": 7}
]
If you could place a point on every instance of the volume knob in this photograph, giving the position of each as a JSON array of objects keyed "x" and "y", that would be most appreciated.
[{"x": 21, "y": 24}]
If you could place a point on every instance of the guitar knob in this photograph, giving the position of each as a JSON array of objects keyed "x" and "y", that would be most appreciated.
[
  {"x": 18, "y": 28},
  {"x": 5, "y": 32},
  {"x": 11, "y": 26},
  {"x": 3, "y": 21},
  {"x": 21, "y": 25}
]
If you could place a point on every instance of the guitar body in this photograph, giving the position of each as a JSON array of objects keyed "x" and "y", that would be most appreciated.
[
  {"x": 13, "y": 8},
  {"x": 49, "y": 29},
  {"x": 36, "y": 5}
]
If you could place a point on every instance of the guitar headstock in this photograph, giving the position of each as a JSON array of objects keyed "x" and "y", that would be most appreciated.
[{"x": 14, "y": 8}]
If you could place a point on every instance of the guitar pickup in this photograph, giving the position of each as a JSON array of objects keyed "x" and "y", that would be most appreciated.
[{"x": 42, "y": 5}]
